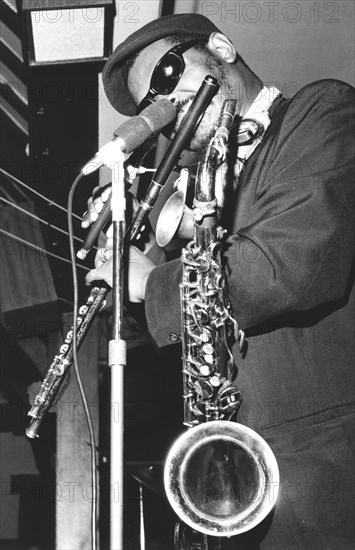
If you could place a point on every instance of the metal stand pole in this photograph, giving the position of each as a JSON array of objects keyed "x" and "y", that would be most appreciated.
[
  {"x": 117, "y": 347},
  {"x": 117, "y": 359}
]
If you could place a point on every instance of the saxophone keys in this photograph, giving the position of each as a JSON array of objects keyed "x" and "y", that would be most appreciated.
[
  {"x": 198, "y": 214},
  {"x": 207, "y": 349},
  {"x": 204, "y": 389},
  {"x": 230, "y": 399},
  {"x": 207, "y": 335},
  {"x": 205, "y": 370},
  {"x": 208, "y": 359},
  {"x": 242, "y": 338},
  {"x": 215, "y": 381},
  {"x": 221, "y": 232}
]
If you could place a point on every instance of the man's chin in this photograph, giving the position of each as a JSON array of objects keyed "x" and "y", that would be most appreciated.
[
  {"x": 201, "y": 139},
  {"x": 197, "y": 143},
  {"x": 204, "y": 133}
]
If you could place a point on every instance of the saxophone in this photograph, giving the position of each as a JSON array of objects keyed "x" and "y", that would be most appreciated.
[{"x": 221, "y": 478}]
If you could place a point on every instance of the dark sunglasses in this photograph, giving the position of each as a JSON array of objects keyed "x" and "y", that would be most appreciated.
[{"x": 167, "y": 73}]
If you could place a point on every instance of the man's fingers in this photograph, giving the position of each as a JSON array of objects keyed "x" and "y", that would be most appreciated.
[
  {"x": 90, "y": 215},
  {"x": 98, "y": 205},
  {"x": 135, "y": 254},
  {"x": 92, "y": 276},
  {"x": 86, "y": 222},
  {"x": 95, "y": 205},
  {"x": 102, "y": 256},
  {"x": 109, "y": 234},
  {"x": 106, "y": 193}
]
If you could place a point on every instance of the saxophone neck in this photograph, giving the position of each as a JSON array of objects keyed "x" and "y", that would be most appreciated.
[
  {"x": 205, "y": 178},
  {"x": 214, "y": 154}
]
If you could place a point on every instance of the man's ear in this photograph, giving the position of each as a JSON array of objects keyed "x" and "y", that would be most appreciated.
[{"x": 219, "y": 44}]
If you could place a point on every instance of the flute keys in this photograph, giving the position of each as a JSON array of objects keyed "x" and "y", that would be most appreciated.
[
  {"x": 69, "y": 337},
  {"x": 83, "y": 310},
  {"x": 58, "y": 370}
]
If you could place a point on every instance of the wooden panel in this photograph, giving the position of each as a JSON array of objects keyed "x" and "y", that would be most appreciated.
[
  {"x": 73, "y": 530},
  {"x": 28, "y": 296}
]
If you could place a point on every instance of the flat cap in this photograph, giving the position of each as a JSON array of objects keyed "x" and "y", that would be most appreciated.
[{"x": 114, "y": 85}]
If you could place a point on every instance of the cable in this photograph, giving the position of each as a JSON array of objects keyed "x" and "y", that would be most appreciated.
[
  {"x": 70, "y": 215},
  {"x": 37, "y": 218},
  {"x": 7, "y": 194},
  {"x": 51, "y": 202},
  {"x": 46, "y": 252},
  {"x": 76, "y": 367}
]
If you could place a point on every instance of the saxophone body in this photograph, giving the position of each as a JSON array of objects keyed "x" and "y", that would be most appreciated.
[
  {"x": 221, "y": 478},
  {"x": 208, "y": 326}
]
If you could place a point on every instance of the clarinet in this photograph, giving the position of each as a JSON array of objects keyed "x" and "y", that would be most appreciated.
[{"x": 87, "y": 313}]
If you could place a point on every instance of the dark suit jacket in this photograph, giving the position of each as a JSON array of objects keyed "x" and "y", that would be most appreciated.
[{"x": 289, "y": 266}]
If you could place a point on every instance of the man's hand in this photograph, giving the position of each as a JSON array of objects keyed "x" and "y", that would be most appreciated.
[
  {"x": 95, "y": 204},
  {"x": 101, "y": 194},
  {"x": 139, "y": 269}
]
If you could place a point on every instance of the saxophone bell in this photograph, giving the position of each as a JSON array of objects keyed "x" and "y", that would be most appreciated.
[
  {"x": 221, "y": 478},
  {"x": 176, "y": 219}
]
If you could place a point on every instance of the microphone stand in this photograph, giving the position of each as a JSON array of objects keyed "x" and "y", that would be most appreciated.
[
  {"x": 117, "y": 358},
  {"x": 117, "y": 346}
]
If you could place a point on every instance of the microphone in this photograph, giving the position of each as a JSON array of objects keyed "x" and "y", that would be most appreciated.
[
  {"x": 132, "y": 133},
  {"x": 207, "y": 90}
]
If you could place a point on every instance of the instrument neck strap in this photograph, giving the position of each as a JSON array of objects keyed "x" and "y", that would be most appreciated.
[{"x": 254, "y": 125}]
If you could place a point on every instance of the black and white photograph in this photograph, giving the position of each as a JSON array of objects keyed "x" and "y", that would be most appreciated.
[{"x": 177, "y": 230}]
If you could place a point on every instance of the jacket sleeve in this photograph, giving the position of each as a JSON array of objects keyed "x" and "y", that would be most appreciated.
[{"x": 295, "y": 253}]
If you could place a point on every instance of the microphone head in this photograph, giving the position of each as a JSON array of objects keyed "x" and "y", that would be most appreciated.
[
  {"x": 151, "y": 120},
  {"x": 159, "y": 114},
  {"x": 133, "y": 133}
]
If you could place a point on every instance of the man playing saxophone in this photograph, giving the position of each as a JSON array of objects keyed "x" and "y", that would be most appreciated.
[{"x": 288, "y": 264}]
